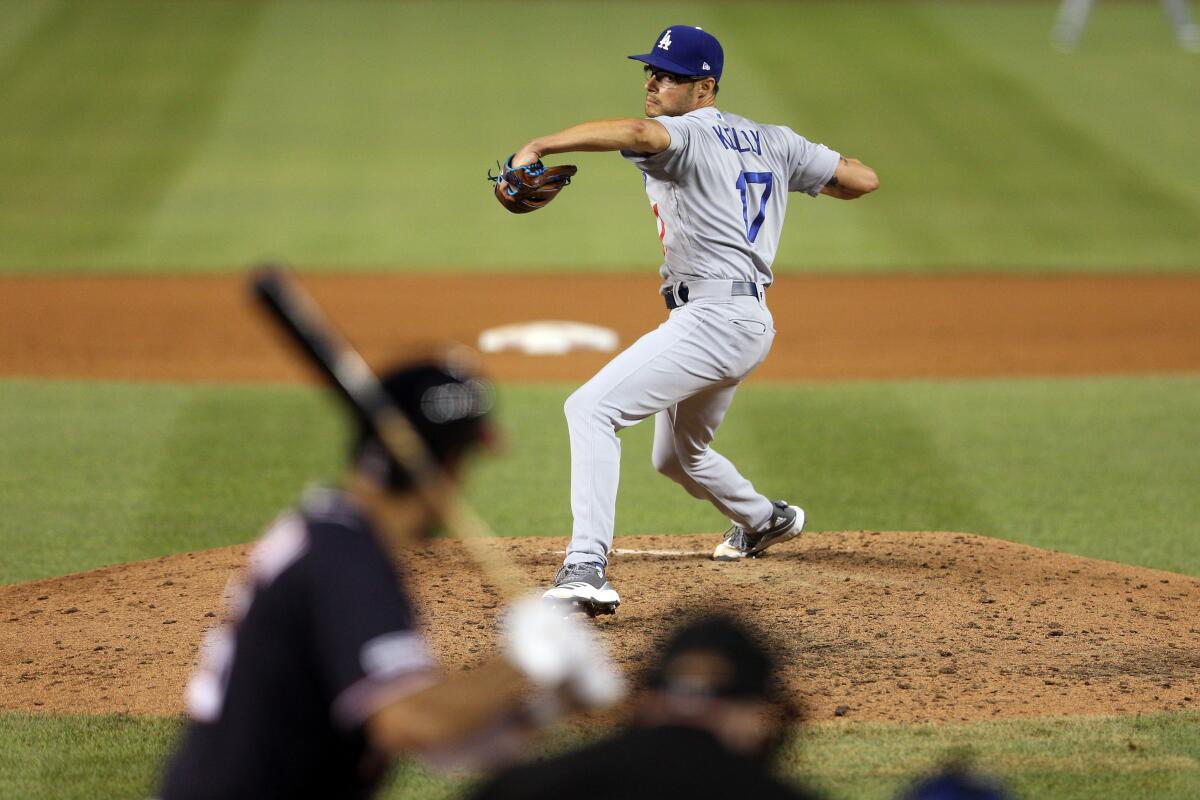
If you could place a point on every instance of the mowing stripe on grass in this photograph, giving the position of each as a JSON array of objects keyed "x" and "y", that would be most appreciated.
[
  {"x": 100, "y": 473},
  {"x": 104, "y": 103},
  {"x": 974, "y": 129},
  {"x": 147, "y": 135},
  {"x": 1150, "y": 756},
  {"x": 94, "y": 474},
  {"x": 79, "y": 758},
  {"x": 67, "y": 757},
  {"x": 21, "y": 18}
]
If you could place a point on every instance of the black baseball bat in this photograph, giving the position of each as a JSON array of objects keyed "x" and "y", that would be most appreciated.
[{"x": 343, "y": 368}]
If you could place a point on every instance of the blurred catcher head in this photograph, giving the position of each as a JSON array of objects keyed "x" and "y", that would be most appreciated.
[
  {"x": 714, "y": 656},
  {"x": 717, "y": 675}
]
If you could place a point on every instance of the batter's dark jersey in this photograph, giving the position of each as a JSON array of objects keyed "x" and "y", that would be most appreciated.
[
  {"x": 642, "y": 763},
  {"x": 320, "y": 635}
]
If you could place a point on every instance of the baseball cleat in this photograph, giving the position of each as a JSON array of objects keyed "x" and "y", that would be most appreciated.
[
  {"x": 786, "y": 524},
  {"x": 584, "y": 587}
]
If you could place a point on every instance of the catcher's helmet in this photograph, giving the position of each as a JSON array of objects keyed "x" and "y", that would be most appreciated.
[{"x": 743, "y": 669}]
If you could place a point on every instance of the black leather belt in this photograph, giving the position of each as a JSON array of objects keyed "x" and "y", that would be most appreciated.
[{"x": 677, "y": 295}]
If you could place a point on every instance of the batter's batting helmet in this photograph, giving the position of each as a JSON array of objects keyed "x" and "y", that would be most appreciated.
[{"x": 447, "y": 406}]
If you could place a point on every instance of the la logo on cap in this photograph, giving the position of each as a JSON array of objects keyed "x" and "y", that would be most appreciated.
[{"x": 684, "y": 50}]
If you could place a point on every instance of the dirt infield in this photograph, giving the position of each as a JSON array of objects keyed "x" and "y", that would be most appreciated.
[
  {"x": 178, "y": 328},
  {"x": 893, "y": 626}
]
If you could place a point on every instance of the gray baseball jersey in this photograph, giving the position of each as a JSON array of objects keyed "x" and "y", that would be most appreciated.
[{"x": 720, "y": 191}]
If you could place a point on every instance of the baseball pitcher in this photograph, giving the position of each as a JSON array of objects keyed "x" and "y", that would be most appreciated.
[{"x": 718, "y": 186}]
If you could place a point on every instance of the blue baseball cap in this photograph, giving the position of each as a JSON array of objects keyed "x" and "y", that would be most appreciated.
[{"x": 686, "y": 50}]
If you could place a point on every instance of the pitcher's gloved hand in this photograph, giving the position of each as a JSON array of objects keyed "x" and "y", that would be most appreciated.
[{"x": 529, "y": 187}]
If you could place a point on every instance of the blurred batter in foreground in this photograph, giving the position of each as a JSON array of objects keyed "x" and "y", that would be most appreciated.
[{"x": 320, "y": 673}]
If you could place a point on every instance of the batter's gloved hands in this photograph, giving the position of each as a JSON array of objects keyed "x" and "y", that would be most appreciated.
[
  {"x": 560, "y": 653},
  {"x": 529, "y": 187}
]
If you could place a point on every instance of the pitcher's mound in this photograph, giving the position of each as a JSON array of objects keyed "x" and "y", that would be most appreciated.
[{"x": 890, "y": 626}]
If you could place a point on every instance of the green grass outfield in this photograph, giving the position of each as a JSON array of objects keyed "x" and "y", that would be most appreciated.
[
  {"x": 69, "y": 757},
  {"x": 100, "y": 473},
  {"x": 145, "y": 135}
]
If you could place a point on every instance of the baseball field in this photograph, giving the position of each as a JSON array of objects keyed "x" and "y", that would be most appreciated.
[{"x": 985, "y": 388}]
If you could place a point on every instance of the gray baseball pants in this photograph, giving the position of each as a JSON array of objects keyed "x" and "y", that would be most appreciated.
[{"x": 685, "y": 373}]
